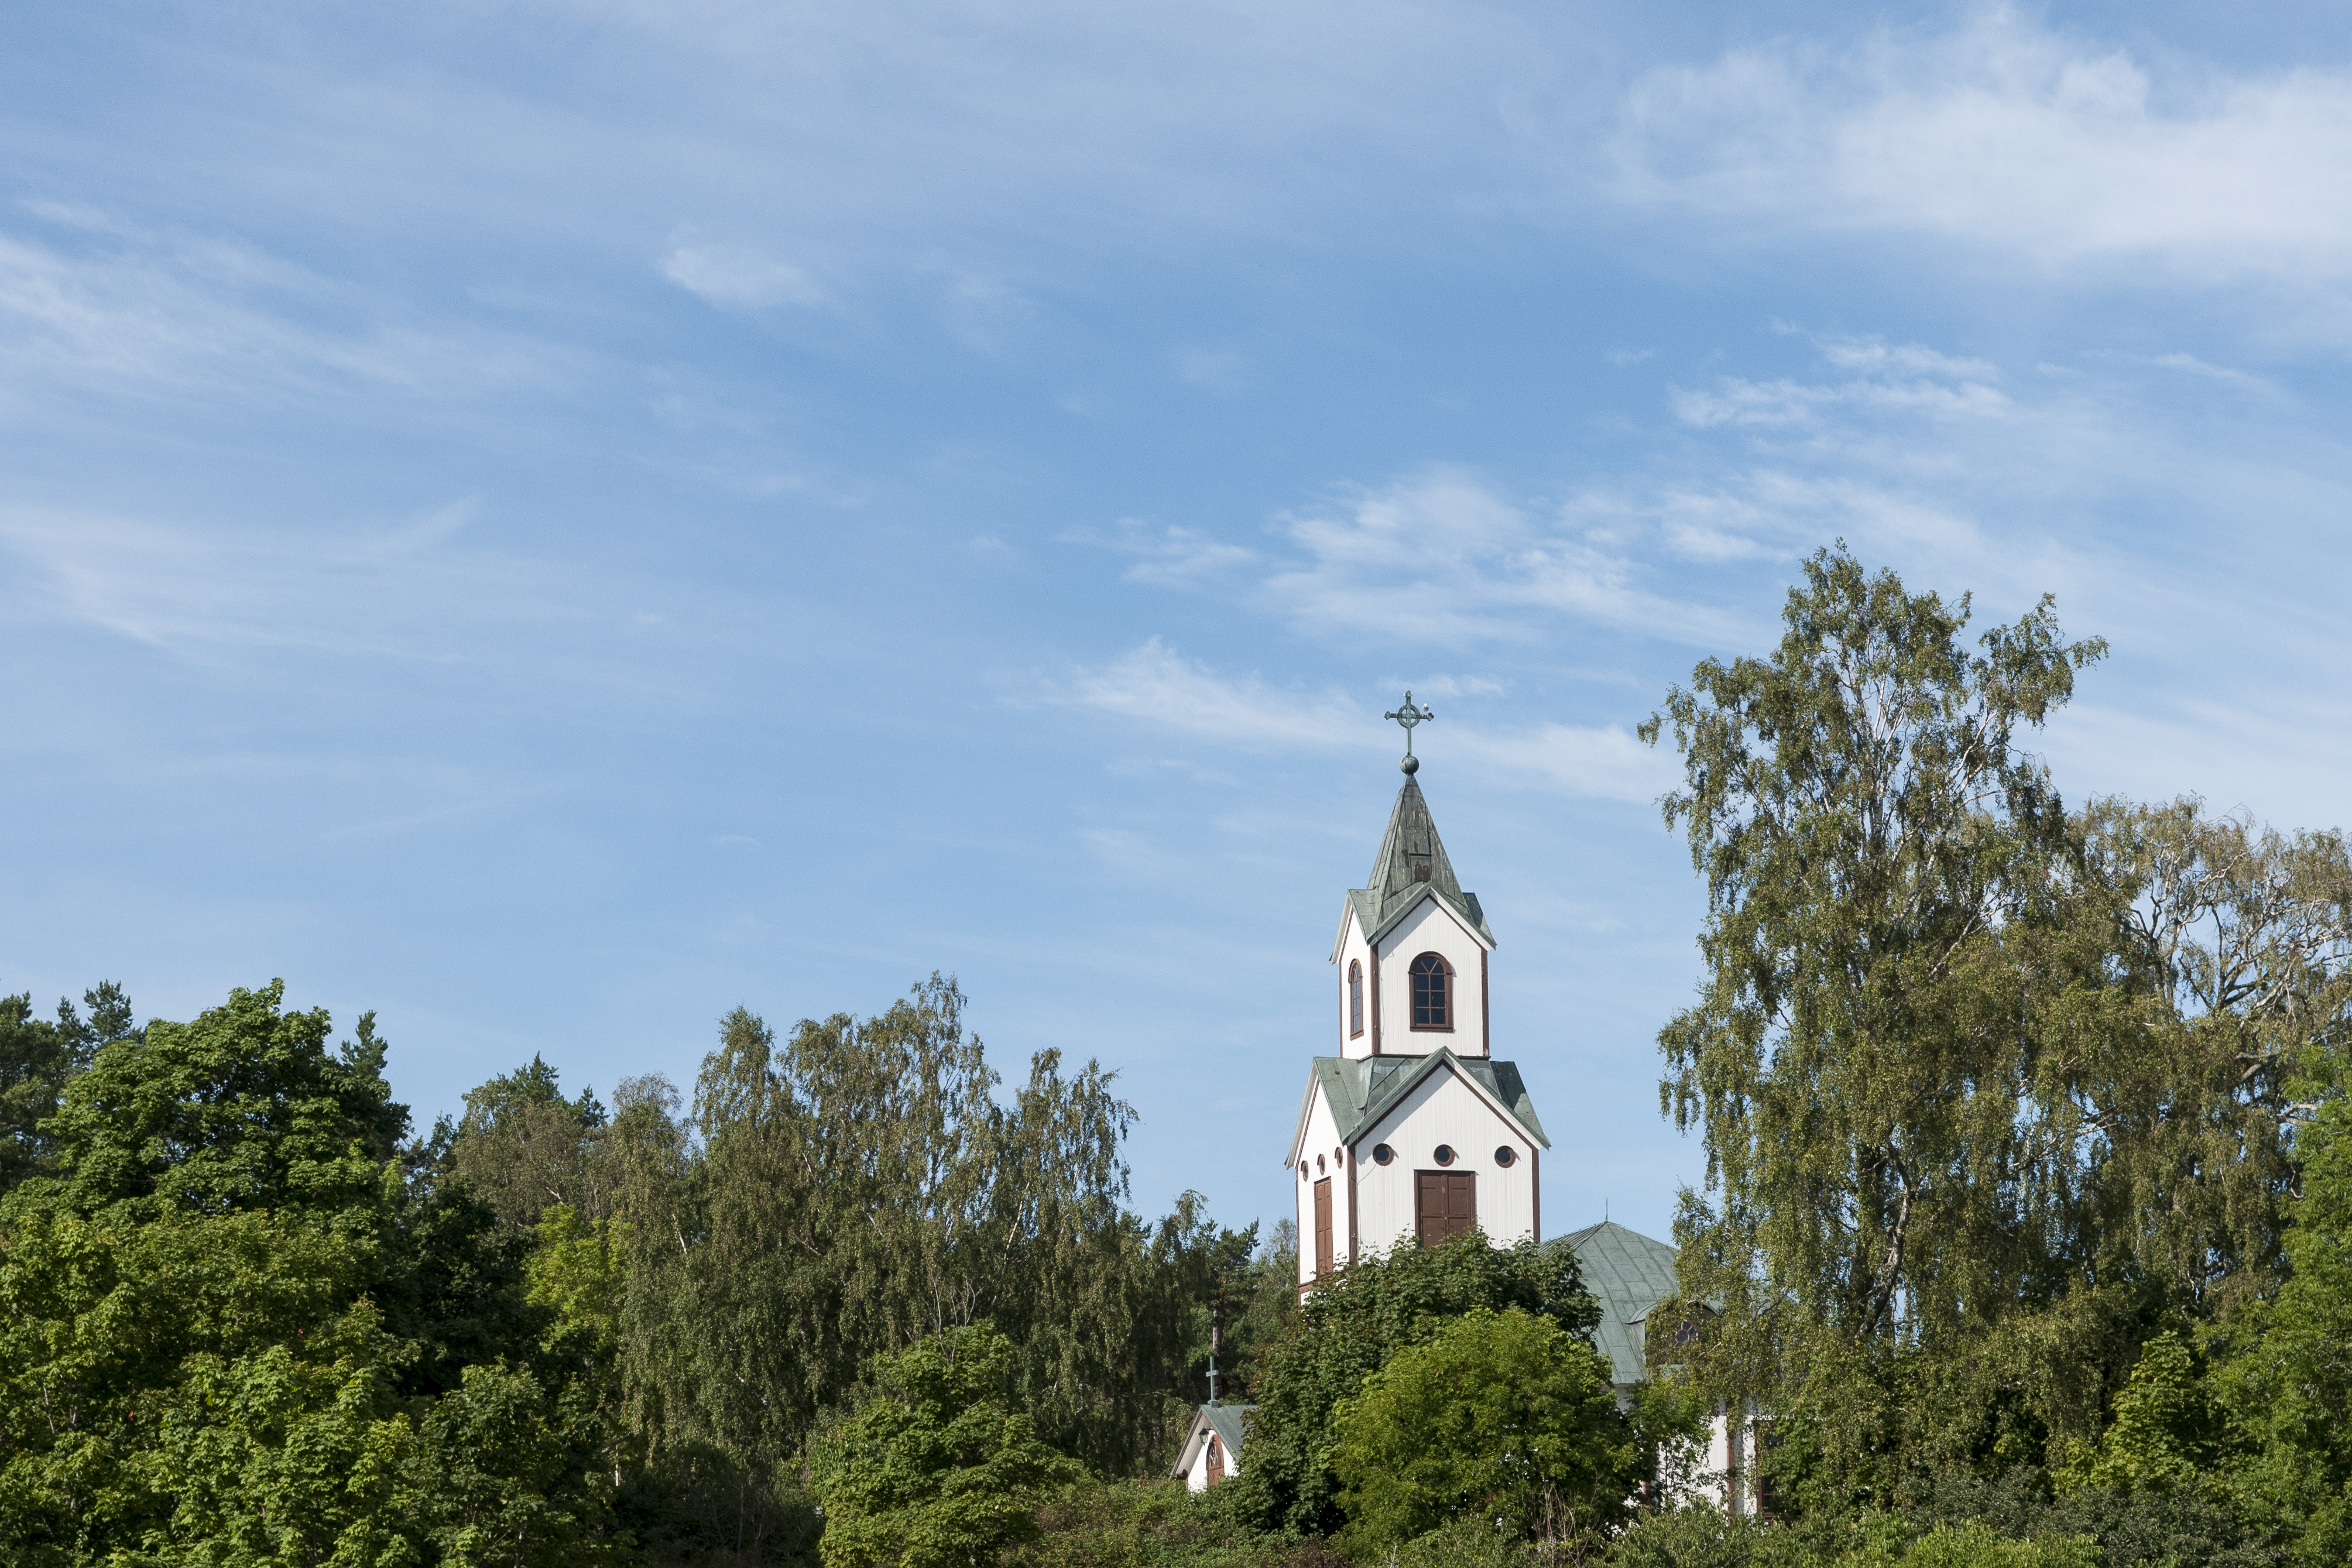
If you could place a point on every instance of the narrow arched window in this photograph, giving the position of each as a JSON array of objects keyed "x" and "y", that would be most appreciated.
[
  {"x": 1433, "y": 984},
  {"x": 1355, "y": 997}
]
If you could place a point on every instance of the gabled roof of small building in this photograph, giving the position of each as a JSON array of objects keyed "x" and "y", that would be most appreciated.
[
  {"x": 1628, "y": 1273},
  {"x": 1226, "y": 1420},
  {"x": 1363, "y": 1090},
  {"x": 1411, "y": 857}
]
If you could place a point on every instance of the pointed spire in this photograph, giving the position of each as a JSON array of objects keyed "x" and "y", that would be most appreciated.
[{"x": 1411, "y": 853}]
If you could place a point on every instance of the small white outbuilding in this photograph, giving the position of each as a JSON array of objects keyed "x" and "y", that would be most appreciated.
[{"x": 1212, "y": 1448}]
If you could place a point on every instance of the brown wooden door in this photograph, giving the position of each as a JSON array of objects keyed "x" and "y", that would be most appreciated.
[
  {"x": 1447, "y": 1204},
  {"x": 1323, "y": 1226},
  {"x": 1216, "y": 1461}
]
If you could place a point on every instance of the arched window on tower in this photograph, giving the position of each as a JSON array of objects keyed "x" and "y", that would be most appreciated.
[
  {"x": 1432, "y": 987},
  {"x": 1355, "y": 997}
]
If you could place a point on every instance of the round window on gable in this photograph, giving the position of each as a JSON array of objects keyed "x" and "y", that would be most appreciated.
[
  {"x": 1382, "y": 1153},
  {"x": 1319, "y": 1162},
  {"x": 1445, "y": 1154},
  {"x": 1505, "y": 1154},
  {"x": 1340, "y": 1156}
]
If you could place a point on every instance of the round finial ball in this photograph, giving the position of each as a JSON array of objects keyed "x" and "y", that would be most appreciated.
[{"x": 1410, "y": 764}]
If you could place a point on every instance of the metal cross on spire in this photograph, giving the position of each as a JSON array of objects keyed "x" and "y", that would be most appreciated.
[{"x": 1410, "y": 715}]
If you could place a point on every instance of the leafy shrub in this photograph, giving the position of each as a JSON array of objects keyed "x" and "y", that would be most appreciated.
[
  {"x": 935, "y": 1471},
  {"x": 1159, "y": 1524},
  {"x": 1501, "y": 1419}
]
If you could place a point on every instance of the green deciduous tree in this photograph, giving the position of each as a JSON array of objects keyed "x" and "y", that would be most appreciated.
[
  {"x": 37, "y": 1058},
  {"x": 1347, "y": 1329},
  {"x": 2285, "y": 1372},
  {"x": 524, "y": 1148},
  {"x": 1989, "y": 1093},
  {"x": 935, "y": 1469},
  {"x": 1503, "y": 1418},
  {"x": 231, "y": 1330},
  {"x": 858, "y": 1188}
]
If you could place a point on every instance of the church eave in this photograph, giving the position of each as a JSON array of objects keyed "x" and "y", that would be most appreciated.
[
  {"x": 1466, "y": 909},
  {"x": 1356, "y": 1113}
]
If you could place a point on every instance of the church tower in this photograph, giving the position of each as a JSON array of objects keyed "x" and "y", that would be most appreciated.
[{"x": 1412, "y": 1128}]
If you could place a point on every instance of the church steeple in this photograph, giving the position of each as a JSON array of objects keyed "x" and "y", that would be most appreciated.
[
  {"x": 1413, "y": 946},
  {"x": 1412, "y": 1128}
]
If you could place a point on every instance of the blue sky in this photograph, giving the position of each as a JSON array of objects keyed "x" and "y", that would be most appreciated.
[{"x": 552, "y": 520}]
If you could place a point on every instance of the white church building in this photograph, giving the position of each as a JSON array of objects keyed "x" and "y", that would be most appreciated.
[
  {"x": 1412, "y": 1128},
  {"x": 1415, "y": 1129}
]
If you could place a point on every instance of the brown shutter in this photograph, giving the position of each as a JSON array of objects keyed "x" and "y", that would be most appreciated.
[
  {"x": 1323, "y": 1228},
  {"x": 1460, "y": 1202},
  {"x": 1445, "y": 1204}
]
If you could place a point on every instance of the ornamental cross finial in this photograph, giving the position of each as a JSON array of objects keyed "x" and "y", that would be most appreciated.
[{"x": 1410, "y": 715}]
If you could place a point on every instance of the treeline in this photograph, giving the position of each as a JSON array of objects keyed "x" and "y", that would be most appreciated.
[{"x": 246, "y": 1316}]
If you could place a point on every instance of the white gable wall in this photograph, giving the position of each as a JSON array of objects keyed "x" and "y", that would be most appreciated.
[
  {"x": 1319, "y": 1156},
  {"x": 1431, "y": 927},
  {"x": 1443, "y": 1109},
  {"x": 1197, "y": 1478},
  {"x": 1354, "y": 949}
]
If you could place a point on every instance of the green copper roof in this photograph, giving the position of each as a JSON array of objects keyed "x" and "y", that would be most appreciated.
[
  {"x": 1628, "y": 1273},
  {"x": 1411, "y": 855},
  {"x": 1227, "y": 1421},
  {"x": 1363, "y": 1090}
]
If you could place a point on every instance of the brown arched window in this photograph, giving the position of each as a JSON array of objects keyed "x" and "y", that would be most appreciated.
[
  {"x": 1432, "y": 986},
  {"x": 1355, "y": 997}
]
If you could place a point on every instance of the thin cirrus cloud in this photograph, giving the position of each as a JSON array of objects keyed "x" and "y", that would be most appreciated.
[
  {"x": 1444, "y": 558},
  {"x": 410, "y": 593},
  {"x": 736, "y": 278},
  {"x": 126, "y": 312},
  {"x": 1904, "y": 378},
  {"x": 2013, "y": 138},
  {"x": 1156, "y": 685}
]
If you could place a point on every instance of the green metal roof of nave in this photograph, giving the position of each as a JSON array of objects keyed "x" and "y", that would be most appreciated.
[{"x": 1628, "y": 1273}]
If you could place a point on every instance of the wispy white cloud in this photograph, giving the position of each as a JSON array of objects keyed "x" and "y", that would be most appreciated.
[
  {"x": 162, "y": 316},
  {"x": 1445, "y": 557},
  {"x": 1155, "y": 685},
  {"x": 1895, "y": 378},
  {"x": 1169, "y": 557},
  {"x": 408, "y": 591},
  {"x": 1158, "y": 685},
  {"x": 2013, "y": 137},
  {"x": 736, "y": 277}
]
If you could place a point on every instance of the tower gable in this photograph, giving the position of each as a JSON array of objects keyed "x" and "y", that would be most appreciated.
[{"x": 1414, "y": 907}]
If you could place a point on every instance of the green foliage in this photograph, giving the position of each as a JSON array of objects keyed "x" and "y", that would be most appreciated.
[
  {"x": 2166, "y": 1433},
  {"x": 246, "y": 1108},
  {"x": 857, "y": 1189},
  {"x": 1251, "y": 1298},
  {"x": 37, "y": 1058},
  {"x": 934, "y": 1471},
  {"x": 523, "y": 1148},
  {"x": 2285, "y": 1368},
  {"x": 1503, "y": 1418},
  {"x": 1989, "y": 1093},
  {"x": 1348, "y": 1329},
  {"x": 231, "y": 1331},
  {"x": 1158, "y": 1524},
  {"x": 1701, "y": 1537}
]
